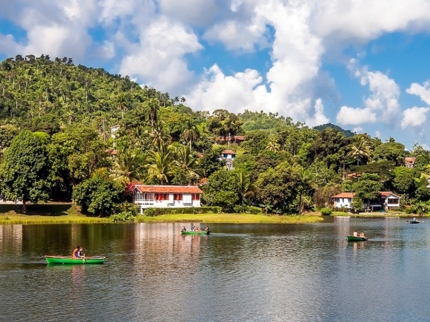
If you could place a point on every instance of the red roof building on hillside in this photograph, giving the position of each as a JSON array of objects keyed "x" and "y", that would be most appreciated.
[{"x": 409, "y": 162}]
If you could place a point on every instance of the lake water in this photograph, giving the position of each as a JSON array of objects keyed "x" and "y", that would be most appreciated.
[{"x": 238, "y": 273}]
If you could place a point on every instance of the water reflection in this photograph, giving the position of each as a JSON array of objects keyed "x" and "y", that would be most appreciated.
[{"x": 239, "y": 272}]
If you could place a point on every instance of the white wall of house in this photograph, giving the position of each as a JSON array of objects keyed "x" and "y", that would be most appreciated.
[
  {"x": 147, "y": 200},
  {"x": 392, "y": 202},
  {"x": 342, "y": 203}
]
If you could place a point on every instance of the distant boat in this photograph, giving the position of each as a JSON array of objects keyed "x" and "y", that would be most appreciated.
[
  {"x": 415, "y": 222},
  {"x": 189, "y": 232},
  {"x": 356, "y": 238},
  {"x": 74, "y": 261}
]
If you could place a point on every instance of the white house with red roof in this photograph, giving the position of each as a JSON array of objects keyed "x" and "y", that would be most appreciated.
[
  {"x": 146, "y": 196},
  {"x": 228, "y": 156},
  {"x": 387, "y": 200}
]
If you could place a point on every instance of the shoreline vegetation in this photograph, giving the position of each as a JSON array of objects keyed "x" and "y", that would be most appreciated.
[{"x": 66, "y": 213}]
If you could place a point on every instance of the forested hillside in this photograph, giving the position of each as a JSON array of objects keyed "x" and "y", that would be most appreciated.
[{"x": 72, "y": 132}]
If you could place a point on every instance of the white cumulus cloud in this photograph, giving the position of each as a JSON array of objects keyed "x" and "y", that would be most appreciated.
[
  {"x": 414, "y": 116},
  {"x": 423, "y": 91}
]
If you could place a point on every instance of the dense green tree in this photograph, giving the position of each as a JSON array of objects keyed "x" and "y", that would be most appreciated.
[
  {"x": 222, "y": 190},
  {"x": 210, "y": 162},
  {"x": 277, "y": 189},
  {"x": 404, "y": 179},
  {"x": 224, "y": 123},
  {"x": 98, "y": 195},
  {"x": 391, "y": 151},
  {"x": 25, "y": 170},
  {"x": 367, "y": 187}
]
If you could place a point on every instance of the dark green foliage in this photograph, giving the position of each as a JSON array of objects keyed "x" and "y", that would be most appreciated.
[
  {"x": 25, "y": 170},
  {"x": 182, "y": 210},
  {"x": 210, "y": 162},
  {"x": 367, "y": 187},
  {"x": 222, "y": 190},
  {"x": 391, "y": 151},
  {"x": 346, "y": 133},
  {"x": 404, "y": 179},
  {"x": 98, "y": 195}
]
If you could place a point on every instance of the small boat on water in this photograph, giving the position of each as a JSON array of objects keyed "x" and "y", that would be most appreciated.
[
  {"x": 74, "y": 261},
  {"x": 189, "y": 232},
  {"x": 415, "y": 222},
  {"x": 356, "y": 238}
]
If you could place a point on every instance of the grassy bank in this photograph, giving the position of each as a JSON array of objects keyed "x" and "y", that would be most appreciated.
[
  {"x": 45, "y": 214},
  {"x": 377, "y": 214},
  {"x": 231, "y": 219}
]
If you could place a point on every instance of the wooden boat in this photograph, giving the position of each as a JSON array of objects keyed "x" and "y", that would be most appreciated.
[
  {"x": 74, "y": 261},
  {"x": 189, "y": 232},
  {"x": 356, "y": 238}
]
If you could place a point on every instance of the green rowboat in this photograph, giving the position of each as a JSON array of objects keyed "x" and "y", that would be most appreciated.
[
  {"x": 74, "y": 261},
  {"x": 186, "y": 232},
  {"x": 356, "y": 238}
]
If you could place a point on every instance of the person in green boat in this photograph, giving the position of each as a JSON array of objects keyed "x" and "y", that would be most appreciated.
[{"x": 77, "y": 252}]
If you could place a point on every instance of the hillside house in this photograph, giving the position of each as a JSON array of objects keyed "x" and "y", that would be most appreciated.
[
  {"x": 146, "y": 196},
  {"x": 228, "y": 156},
  {"x": 410, "y": 162}
]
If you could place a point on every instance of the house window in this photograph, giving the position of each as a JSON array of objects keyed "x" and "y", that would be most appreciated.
[
  {"x": 161, "y": 196},
  {"x": 196, "y": 196},
  {"x": 393, "y": 201},
  {"x": 178, "y": 196}
]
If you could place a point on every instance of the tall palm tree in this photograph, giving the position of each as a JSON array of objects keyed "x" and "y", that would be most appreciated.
[
  {"x": 127, "y": 166},
  {"x": 305, "y": 185},
  {"x": 245, "y": 186},
  {"x": 191, "y": 133},
  {"x": 360, "y": 149},
  {"x": 186, "y": 160},
  {"x": 152, "y": 110},
  {"x": 160, "y": 164}
]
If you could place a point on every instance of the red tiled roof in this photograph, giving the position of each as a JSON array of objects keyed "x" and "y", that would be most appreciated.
[
  {"x": 351, "y": 175},
  {"x": 228, "y": 152},
  {"x": 344, "y": 195},
  {"x": 351, "y": 194},
  {"x": 111, "y": 152},
  {"x": 410, "y": 159},
  {"x": 387, "y": 193},
  {"x": 169, "y": 189}
]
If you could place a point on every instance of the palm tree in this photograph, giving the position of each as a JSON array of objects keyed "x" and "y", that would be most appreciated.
[
  {"x": 273, "y": 145},
  {"x": 152, "y": 109},
  {"x": 245, "y": 186},
  {"x": 360, "y": 149},
  {"x": 160, "y": 164},
  {"x": 186, "y": 160},
  {"x": 191, "y": 133},
  {"x": 305, "y": 185},
  {"x": 127, "y": 166}
]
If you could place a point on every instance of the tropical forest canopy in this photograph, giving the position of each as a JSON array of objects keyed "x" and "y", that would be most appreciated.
[{"x": 73, "y": 132}]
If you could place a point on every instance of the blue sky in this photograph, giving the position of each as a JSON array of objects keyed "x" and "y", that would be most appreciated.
[{"x": 363, "y": 65}]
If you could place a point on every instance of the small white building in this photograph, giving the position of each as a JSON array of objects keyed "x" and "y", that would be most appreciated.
[
  {"x": 343, "y": 200},
  {"x": 228, "y": 156},
  {"x": 166, "y": 196}
]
